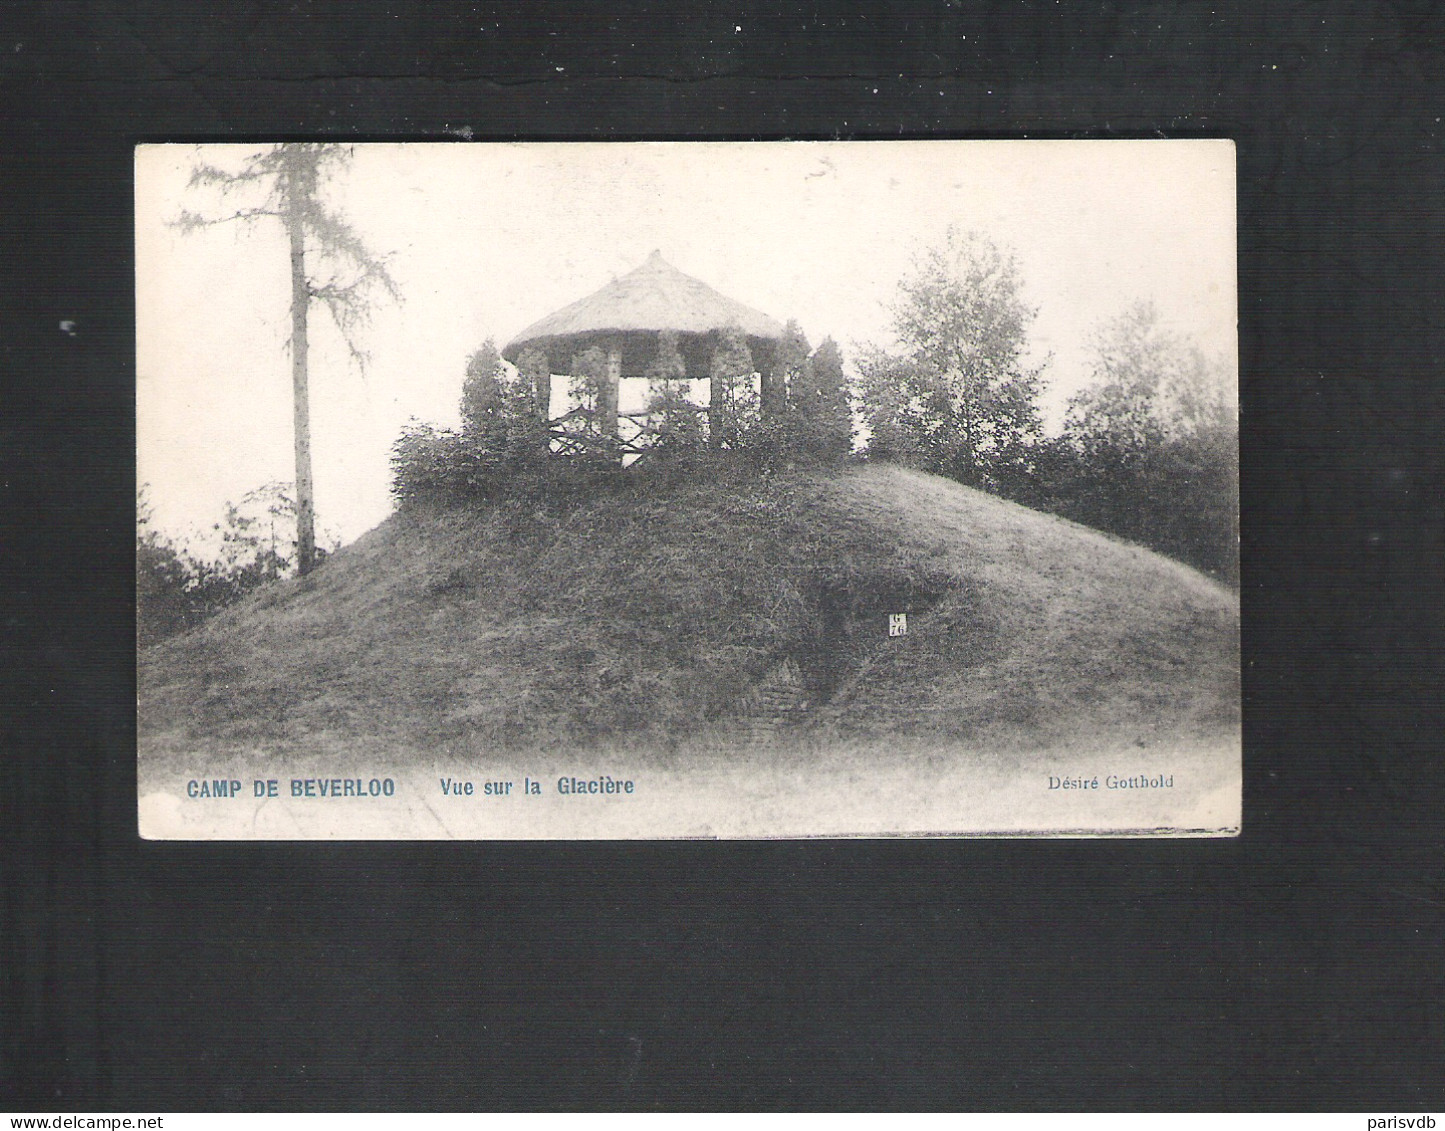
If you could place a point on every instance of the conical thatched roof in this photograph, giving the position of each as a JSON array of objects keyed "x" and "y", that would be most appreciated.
[{"x": 629, "y": 312}]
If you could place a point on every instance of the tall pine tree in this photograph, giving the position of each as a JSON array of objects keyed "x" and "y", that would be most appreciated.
[
  {"x": 821, "y": 405},
  {"x": 792, "y": 355},
  {"x": 482, "y": 394},
  {"x": 329, "y": 264},
  {"x": 731, "y": 402}
]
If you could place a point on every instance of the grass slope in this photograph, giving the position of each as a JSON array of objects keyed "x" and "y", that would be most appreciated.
[{"x": 643, "y": 617}]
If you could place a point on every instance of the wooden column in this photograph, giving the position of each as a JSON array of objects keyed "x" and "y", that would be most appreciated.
[
  {"x": 716, "y": 403},
  {"x": 607, "y": 395},
  {"x": 773, "y": 389},
  {"x": 541, "y": 375},
  {"x": 542, "y": 389}
]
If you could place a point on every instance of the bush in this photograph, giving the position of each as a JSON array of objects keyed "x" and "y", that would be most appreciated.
[
  {"x": 176, "y": 589},
  {"x": 1177, "y": 496},
  {"x": 430, "y": 464},
  {"x": 506, "y": 442}
]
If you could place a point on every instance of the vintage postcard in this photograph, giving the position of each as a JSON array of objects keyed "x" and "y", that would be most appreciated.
[{"x": 662, "y": 490}]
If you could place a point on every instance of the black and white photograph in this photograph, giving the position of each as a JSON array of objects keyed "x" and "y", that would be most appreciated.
[
  {"x": 618, "y": 490},
  {"x": 620, "y": 558}
]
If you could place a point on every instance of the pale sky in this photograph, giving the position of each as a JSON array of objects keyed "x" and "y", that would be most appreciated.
[{"x": 486, "y": 238}]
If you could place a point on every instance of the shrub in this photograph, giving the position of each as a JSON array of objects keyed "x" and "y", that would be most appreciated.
[
  {"x": 176, "y": 588},
  {"x": 431, "y": 464}
]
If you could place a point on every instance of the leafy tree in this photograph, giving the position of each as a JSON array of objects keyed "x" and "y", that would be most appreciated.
[
  {"x": 1150, "y": 448},
  {"x": 258, "y": 540},
  {"x": 329, "y": 264},
  {"x": 1150, "y": 386},
  {"x": 178, "y": 587},
  {"x": 732, "y": 403},
  {"x": 1122, "y": 409},
  {"x": 958, "y": 396},
  {"x": 905, "y": 422},
  {"x": 1196, "y": 395},
  {"x": 431, "y": 464}
]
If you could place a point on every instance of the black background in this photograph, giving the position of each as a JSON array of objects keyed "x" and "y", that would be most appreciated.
[{"x": 1299, "y": 966}]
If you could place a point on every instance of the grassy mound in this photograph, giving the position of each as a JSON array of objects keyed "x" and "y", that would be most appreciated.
[{"x": 651, "y": 616}]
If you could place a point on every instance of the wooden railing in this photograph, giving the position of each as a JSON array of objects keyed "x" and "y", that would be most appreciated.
[{"x": 587, "y": 441}]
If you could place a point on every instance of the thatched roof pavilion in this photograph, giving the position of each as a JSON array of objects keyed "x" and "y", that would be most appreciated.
[{"x": 624, "y": 318}]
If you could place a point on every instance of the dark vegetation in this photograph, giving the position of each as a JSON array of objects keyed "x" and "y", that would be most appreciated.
[
  {"x": 178, "y": 586},
  {"x": 1148, "y": 451},
  {"x": 653, "y": 609},
  {"x": 330, "y": 265},
  {"x": 509, "y": 445}
]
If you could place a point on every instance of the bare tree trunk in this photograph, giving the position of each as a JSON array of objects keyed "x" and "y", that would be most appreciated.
[
  {"x": 293, "y": 172},
  {"x": 300, "y": 302}
]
